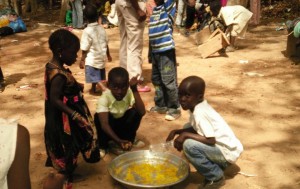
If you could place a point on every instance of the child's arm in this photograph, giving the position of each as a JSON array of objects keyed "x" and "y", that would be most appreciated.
[
  {"x": 18, "y": 174},
  {"x": 56, "y": 94},
  {"x": 175, "y": 132},
  {"x": 82, "y": 61},
  {"x": 139, "y": 104},
  {"x": 140, "y": 13},
  {"x": 108, "y": 55},
  {"x": 188, "y": 133}
]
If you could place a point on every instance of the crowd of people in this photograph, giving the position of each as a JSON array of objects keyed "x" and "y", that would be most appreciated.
[{"x": 207, "y": 141}]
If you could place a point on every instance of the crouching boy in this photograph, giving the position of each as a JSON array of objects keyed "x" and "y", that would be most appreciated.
[{"x": 207, "y": 141}]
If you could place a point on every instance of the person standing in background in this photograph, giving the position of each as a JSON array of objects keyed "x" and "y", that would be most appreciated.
[
  {"x": 132, "y": 16},
  {"x": 77, "y": 14},
  {"x": 180, "y": 14},
  {"x": 164, "y": 70}
]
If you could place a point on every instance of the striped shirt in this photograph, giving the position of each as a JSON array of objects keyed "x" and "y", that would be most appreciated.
[{"x": 160, "y": 27}]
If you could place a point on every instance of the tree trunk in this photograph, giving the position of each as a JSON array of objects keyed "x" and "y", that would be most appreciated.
[
  {"x": 255, "y": 9},
  {"x": 63, "y": 10},
  {"x": 17, "y": 6}
]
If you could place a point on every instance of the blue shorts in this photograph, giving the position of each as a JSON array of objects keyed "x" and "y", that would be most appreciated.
[{"x": 94, "y": 75}]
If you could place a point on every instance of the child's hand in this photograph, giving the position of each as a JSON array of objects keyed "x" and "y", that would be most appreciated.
[
  {"x": 79, "y": 119},
  {"x": 133, "y": 81},
  {"x": 126, "y": 145},
  {"x": 109, "y": 59},
  {"x": 81, "y": 64},
  {"x": 171, "y": 135},
  {"x": 178, "y": 142},
  {"x": 141, "y": 15}
]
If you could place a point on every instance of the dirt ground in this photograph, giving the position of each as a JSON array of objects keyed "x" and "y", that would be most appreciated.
[{"x": 259, "y": 100}]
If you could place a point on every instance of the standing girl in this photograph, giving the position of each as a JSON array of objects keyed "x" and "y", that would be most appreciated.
[{"x": 69, "y": 127}]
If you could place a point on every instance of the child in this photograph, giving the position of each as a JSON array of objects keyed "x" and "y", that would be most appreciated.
[
  {"x": 69, "y": 127},
  {"x": 15, "y": 154},
  {"x": 207, "y": 141},
  {"x": 94, "y": 46},
  {"x": 236, "y": 19},
  {"x": 164, "y": 71},
  {"x": 119, "y": 113}
]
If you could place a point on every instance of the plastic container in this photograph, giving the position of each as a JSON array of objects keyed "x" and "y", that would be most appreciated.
[
  {"x": 161, "y": 147},
  {"x": 3, "y": 21}
]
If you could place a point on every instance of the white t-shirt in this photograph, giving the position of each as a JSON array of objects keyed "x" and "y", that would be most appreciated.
[
  {"x": 94, "y": 40},
  {"x": 8, "y": 142},
  {"x": 207, "y": 122}
]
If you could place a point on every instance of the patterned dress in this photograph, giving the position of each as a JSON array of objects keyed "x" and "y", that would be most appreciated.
[{"x": 65, "y": 138}]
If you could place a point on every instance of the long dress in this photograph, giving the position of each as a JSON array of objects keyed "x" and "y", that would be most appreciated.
[{"x": 64, "y": 138}]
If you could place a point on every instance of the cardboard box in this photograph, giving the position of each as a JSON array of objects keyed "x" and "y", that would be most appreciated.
[{"x": 216, "y": 41}]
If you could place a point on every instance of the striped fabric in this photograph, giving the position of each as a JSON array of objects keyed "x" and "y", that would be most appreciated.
[{"x": 160, "y": 27}]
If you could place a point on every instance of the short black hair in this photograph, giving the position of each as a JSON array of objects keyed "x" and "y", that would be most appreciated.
[
  {"x": 215, "y": 7},
  {"x": 63, "y": 39},
  {"x": 118, "y": 72},
  {"x": 195, "y": 84},
  {"x": 90, "y": 13}
]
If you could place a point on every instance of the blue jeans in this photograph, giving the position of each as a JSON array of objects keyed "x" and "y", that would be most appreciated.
[
  {"x": 207, "y": 159},
  {"x": 77, "y": 14},
  {"x": 164, "y": 79}
]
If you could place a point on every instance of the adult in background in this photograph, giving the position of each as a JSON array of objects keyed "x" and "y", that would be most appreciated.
[
  {"x": 77, "y": 14},
  {"x": 132, "y": 16}
]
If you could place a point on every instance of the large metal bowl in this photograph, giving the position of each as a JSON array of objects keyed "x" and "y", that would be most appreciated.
[{"x": 119, "y": 166}]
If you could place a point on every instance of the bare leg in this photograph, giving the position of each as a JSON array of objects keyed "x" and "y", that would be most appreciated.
[
  {"x": 102, "y": 86},
  {"x": 54, "y": 181}
]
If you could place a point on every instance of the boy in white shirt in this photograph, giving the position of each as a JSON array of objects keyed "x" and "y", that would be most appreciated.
[
  {"x": 207, "y": 141},
  {"x": 94, "y": 46}
]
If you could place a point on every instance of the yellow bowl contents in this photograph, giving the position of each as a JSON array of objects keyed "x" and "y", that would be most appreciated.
[{"x": 151, "y": 174}]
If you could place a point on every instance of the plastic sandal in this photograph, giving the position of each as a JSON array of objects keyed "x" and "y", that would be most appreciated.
[{"x": 145, "y": 88}]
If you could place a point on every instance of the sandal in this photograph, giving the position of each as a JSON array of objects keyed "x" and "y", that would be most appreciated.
[{"x": 144, "y": 88}]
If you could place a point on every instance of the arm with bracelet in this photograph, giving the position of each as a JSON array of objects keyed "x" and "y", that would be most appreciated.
[{"x": 56, "y": 94}]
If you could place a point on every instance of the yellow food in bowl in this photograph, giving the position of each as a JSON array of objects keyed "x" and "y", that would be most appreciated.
[{"x": 147, "y": 173}]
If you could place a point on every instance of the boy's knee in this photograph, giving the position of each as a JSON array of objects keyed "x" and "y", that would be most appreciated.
[{"x": 187, "y": 146}]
